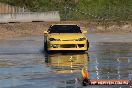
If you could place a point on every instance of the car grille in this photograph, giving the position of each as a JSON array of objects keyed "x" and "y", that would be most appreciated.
[
  {"x": 68, "y": 40},
  {"x": 68, "y": 46}
]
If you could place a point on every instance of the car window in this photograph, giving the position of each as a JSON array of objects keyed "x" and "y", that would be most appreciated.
[{"x": 64, "y": 29}]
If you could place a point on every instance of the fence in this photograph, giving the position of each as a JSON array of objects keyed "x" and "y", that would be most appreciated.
[{"x": 100, "y": 10}]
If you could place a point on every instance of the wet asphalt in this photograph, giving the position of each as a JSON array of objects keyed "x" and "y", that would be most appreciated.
[{"x": 24, "y": 64}]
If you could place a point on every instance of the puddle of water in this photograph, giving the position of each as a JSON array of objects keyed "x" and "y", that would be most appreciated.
[{"x": 28, "y": 67}]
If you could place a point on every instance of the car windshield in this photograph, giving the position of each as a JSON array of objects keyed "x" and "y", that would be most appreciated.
[{"x": 64, "y": 29}]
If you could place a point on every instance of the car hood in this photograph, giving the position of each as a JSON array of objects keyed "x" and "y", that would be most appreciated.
[{"x": 66, "y": 35}]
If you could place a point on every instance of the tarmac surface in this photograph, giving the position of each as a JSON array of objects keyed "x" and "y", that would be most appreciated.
[{"x": 23, "y": 63}]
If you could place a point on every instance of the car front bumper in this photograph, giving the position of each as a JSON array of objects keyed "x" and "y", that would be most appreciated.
[{"x": 68, "y": 45}]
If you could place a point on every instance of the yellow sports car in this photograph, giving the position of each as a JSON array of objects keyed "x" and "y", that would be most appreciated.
[{"x": 65, "y": 37}]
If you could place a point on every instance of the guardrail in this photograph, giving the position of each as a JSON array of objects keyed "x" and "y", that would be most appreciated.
[{"x": 29, "y": 17}]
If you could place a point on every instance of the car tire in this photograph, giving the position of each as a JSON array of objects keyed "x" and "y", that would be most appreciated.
[
  {"x": 87, "y": 44},
  {"x": 45, "y": 46}
]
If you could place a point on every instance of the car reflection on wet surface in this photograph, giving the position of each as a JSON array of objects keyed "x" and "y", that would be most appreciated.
[
  {"x": 24, "y": 65},
  {"x": 64, "y": 63}
]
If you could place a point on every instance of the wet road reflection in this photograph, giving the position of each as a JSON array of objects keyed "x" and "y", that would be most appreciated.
[
  {"x": 24, "y": 65},
  {"x": 67, "y": 62},
  {"x": 112, "y": 59}
]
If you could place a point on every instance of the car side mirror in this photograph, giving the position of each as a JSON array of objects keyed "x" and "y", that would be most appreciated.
[
  {"x": 84, "y": 32},
  {"x": 45, "y": 32}
]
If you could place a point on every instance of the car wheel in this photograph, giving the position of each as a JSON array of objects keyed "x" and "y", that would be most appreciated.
[
  {"x": 87, "y": 44},
  {"x": 45, "y": 46}
]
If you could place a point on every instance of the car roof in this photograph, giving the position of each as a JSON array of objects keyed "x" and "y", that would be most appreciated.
[{"x": 64, "y": 24}]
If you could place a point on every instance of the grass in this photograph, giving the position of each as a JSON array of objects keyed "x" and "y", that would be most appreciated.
[{"x": 115, "y": 10}]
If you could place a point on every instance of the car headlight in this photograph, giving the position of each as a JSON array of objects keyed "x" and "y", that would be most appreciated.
[
  {"x": 53, "y": 39},
  {"x": 80, "y": 39}
]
